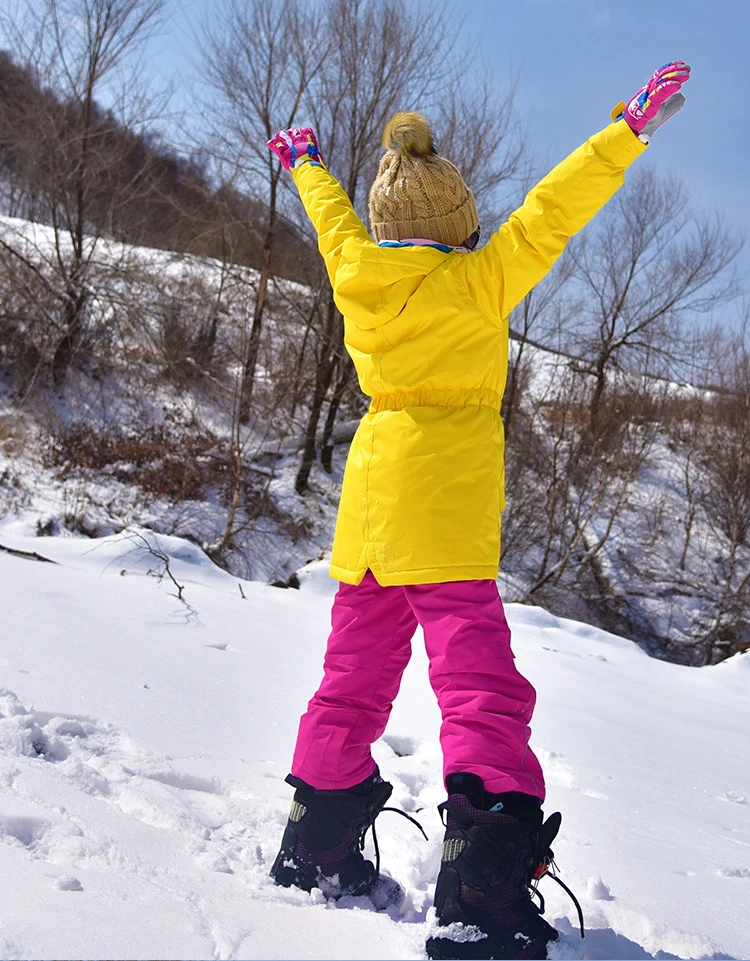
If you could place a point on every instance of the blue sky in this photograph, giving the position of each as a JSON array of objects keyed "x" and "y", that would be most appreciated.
[{"x": 574, "y": 59}]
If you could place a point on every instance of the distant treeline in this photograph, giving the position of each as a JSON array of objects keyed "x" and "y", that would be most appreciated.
[{"x": 168, "y": 201}]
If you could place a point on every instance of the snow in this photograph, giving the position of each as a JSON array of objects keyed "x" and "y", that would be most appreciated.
[{"x": 145, "y": 732}]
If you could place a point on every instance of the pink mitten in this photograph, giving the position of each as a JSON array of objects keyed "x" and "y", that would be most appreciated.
[
  {"x": 295, "y": 147},
  {"x": 646, "y": 104}
]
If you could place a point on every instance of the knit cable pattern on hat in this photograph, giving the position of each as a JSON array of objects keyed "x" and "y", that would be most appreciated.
[{"x": 417, "y": 193}]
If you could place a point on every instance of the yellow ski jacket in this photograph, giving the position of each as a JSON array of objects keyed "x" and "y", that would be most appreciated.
[{"x": 427, "y": 330}]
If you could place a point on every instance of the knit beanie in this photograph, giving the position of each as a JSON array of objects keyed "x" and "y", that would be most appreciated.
[{"x": 416, "y": 193}]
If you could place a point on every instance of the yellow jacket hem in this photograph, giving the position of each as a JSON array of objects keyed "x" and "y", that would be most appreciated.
[{"x": 430, "y": 575}]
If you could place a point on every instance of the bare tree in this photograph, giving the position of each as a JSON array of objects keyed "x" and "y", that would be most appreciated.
[
  {"x": 724, "y": 495},
  {"x": 648, "y": 266},
  {"x": 78, "y": 53},
  {"x": 259, "y": 57},
  {"x": 538, "y": 319},
  {"x": 467, "y": 115}
]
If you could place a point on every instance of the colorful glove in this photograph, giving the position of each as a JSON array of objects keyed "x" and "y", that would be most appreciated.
[
  {"x": 657, "y": 101},
  {"x": 295, "y": 147}
]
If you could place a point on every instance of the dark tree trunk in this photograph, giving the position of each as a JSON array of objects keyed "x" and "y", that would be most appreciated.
[
  {"x": 323, "y": 376},
  {"x": 253, "y": 347},
  {"x": 346, "y": 369},
  {"x": 74, "y": 327}
]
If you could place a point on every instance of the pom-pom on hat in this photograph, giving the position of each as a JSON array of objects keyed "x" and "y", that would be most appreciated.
[{"x": 417, "y": 193}]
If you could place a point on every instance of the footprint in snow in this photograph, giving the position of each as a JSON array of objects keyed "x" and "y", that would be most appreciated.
[
  {"x": 27, "y": 831},
  {"x": 597, "y": 890},
  {"x": 187, "y": 782},
  {"x": 401, "y": 745},
  {"x": 733, "y": 797},
  {"x": 414, "y": 781},
  {"x": 68, "y": 883}
]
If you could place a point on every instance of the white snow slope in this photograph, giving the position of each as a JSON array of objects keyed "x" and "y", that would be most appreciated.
[{"x": 144, "y": 741}]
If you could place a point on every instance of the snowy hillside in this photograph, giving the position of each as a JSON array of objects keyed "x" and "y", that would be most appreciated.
[
  {"x": 641, "y": 527},
  {"x": 144, "y": 740},
  {"x": 73, "y": 460}
]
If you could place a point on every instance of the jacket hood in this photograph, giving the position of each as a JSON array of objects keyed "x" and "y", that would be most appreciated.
[{"x": 374, "y": 284}]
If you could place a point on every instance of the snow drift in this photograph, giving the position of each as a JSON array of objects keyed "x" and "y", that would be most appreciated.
[{"x": 144, "y": 739}]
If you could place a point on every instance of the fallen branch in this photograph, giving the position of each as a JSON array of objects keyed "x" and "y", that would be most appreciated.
[{"x": 29, "y": 555}]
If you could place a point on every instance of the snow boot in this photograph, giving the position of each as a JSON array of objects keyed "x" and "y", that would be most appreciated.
[
  {"x": 490, "y": 865},
  {"x": 323, "y": 841}
]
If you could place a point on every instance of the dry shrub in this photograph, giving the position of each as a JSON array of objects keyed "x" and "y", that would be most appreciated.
[
  {"x": 259, "y": 502},
  {"x": 681, "y": 413},
  {"x": 14, "y": 494},
  {"x": 161, "y": 459},
  {"x": 27, "y": 327},
  {"x": 12, "y": 434}
]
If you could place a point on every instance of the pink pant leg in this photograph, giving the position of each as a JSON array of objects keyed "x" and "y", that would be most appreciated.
[
  {"x": 485, "y": 702},
  {"x": 368, "y": 650}
]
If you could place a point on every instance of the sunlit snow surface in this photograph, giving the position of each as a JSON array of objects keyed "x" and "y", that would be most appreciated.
[{"x": 144, "y": 741}]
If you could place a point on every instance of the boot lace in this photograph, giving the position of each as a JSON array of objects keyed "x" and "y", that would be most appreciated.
[
  {"x": 548, "y": 869},
  {"x": 370, "y": 826}
]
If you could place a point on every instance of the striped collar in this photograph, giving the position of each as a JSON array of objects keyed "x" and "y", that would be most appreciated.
[{"x": 419, "y": 242}]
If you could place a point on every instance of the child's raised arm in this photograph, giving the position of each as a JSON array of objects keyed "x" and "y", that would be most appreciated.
[
  {"x": 327, "y": 204},
  {"x": 523, "y": 250}
]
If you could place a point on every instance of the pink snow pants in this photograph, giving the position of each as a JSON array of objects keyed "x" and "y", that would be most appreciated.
[{"x": 486, "y": 704}]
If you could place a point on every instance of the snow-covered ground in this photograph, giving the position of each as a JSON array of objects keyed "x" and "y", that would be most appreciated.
[{"x": 144, "y": 740}]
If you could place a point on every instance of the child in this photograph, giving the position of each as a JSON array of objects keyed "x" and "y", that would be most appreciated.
[{"x": 418, "y": 532}]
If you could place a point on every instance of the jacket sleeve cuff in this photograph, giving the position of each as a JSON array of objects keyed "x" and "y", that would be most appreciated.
[{"x": 618, "y": 144}]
